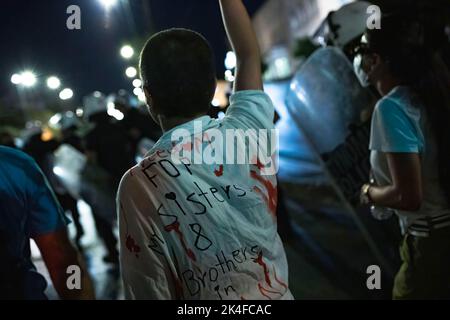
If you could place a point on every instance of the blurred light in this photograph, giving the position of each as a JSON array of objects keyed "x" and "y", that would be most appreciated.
[
  {"x": 229, "y": 76},
  {"x": 111, "y": 105},
  {"x": 97, "y": 94},
  {"x": 131, "y": 72},
  {"x": 69, "y": 114},
  {"x": 137, "y": 91},
  {"x": 221, "y": 115},
  {"x": 142, "y": 98},
  {"x": 66, "y": 94},
  {"x": 46, "y": 135},
  {"x": 118, "y": 115},
  {"x": 55, "y": 119},
  {"x": 137, "y": 83},
  {"x": 79, "y": 112},
  {"x": 28, "y": 79},
  {"x": 230, "y": 60},
  {"x": 215, "y": 102},
  {"x": 113, "y": 112},
  {"x": 53, "y": 83},
  {"x": 108, "y": 3},
  {"x": 16, "y": 79},
  {"x": 127, "y": 52},
  {"x": 58, "y": 171}
]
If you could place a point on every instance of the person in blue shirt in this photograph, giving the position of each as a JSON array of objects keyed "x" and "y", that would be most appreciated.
[
  {"x": 29, "y": 210},
  {"x": 410, "y": 149}
]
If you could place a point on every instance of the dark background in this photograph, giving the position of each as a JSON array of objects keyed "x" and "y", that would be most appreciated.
[{"x": 34, "y": 36}]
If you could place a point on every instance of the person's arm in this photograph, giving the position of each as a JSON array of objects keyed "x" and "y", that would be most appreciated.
[
  {"x": 48, "y": 227},
  {"x": 405, "y": 193},
  {"x": 245, "y": 45},
  {"x": 58, "y": 254}
]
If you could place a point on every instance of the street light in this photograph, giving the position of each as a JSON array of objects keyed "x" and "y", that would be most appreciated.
[
  {"x": 66, "y": 94},
  {"x": 127, "y": 52},
  {"x": 138, "y": 91},
  {"x": 28, "y": 79},
  {"x": 53, "y": 83},
  {"x": 16, "y": 79},
  {"x": 108, "y": 3},
  {"x": 137, "y": 83},
  {"x": 131, "y": 72}
]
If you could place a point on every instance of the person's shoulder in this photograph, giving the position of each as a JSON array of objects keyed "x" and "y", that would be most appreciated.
[
  {"x": 389, "y": 105},
  {"x": 130, "y": 178},
  {"x": 15, "y": 157},
  {"x": 135, "y": 178}
]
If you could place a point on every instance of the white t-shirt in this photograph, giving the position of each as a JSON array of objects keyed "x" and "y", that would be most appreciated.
[
  {"x": 399, "y": 125},
  {"x": 199, "y": 231}
]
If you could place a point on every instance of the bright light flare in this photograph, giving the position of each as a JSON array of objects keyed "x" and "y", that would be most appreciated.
[
  {"x": 230, "y": 60},
  {"x": 28, "y": 79},
  {"x": 113, "y": 112},
  {"x": 55, "y": 119},
  {"x": 16, "y": 79},
  {"x": 53, "y": 83},
  {"x": 108, "y": 4},
  {"x": 229, "y": 76},
  {"x": 127, "y": 52},
  {"x": 131, "y": 72},
  {"x": 137, "y": 83},
  {"x": 66, "y": 94}
]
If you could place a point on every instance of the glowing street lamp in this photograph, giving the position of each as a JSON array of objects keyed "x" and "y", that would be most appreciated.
[
  {"x": 28, "y": 79},
  {"x": 137, "y": 83},
  {"x": 66, "y": 94},
  {"x": 131, "y": 72},
  {"x": 108, "y": 4},
  {"x": 16, "y": 79},
  {"x": 53, "y": 83},
  {"x": 127, "y": 52}
]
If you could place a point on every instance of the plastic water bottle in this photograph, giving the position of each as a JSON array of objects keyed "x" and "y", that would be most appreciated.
[{"x": 381, "y": 213}]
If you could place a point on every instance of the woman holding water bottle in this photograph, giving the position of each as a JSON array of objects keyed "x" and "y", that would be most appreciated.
[{"x": 410, "y": 151}]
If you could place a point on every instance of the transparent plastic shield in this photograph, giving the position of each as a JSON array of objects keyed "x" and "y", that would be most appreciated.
[
  {"x": 68, "y": 164},
  {"x": 325, "y": 97},
  {"x": 297, "y": 160},
  {"x": 326, "y": 102}
]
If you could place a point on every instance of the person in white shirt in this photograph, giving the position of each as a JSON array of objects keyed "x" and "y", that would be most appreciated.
[
  {"x": 410, "y": 150},
  {"x": 202, "y": 229}
]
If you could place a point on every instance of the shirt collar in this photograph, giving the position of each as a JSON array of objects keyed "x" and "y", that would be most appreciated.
[{"x": 195, "y": 126}]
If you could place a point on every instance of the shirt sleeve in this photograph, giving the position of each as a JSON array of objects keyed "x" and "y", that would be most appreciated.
[
  {"x": 146, "y": 273},
  {"x": 252, "y": 108},
  {"x": 46, "y": 214},
  {"x": 393, "y": 130}
]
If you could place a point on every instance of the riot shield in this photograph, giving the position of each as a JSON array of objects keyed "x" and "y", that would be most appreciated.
[
  {"x": 68, "y": 164},
  {"x": 332, "y": 111}
]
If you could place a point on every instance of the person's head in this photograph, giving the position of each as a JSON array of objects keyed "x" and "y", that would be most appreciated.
[
  {"x": 402, "y": 53},
  {"x": 178, "y": 72},
  {"x": 393, "y": 55}
]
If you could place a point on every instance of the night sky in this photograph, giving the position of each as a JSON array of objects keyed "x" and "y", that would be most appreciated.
[{"x": 34, "y": 36}]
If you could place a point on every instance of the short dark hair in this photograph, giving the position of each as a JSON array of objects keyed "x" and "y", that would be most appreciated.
[{"x": 177, "y": 66}]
